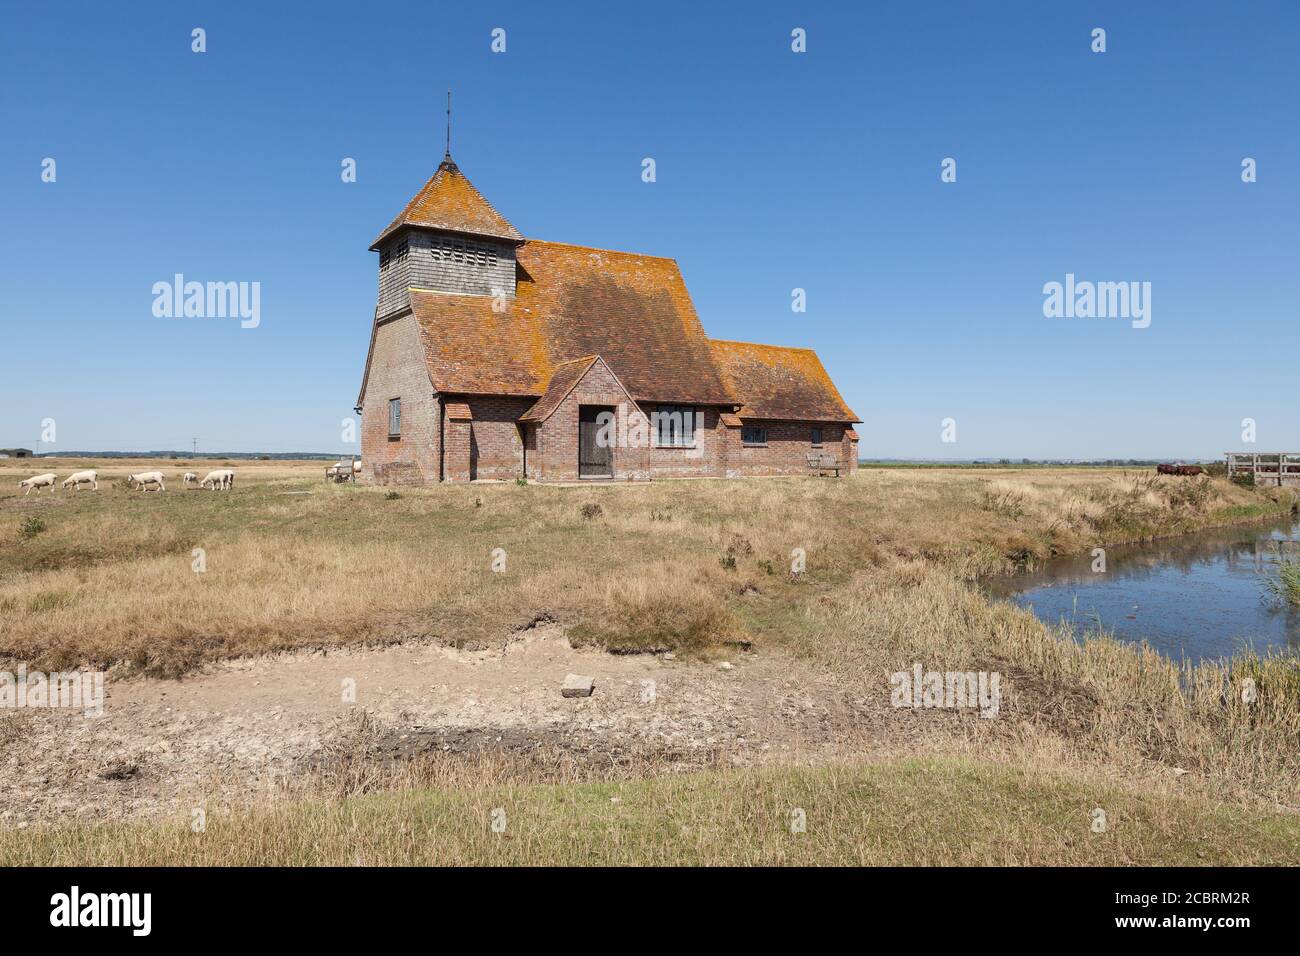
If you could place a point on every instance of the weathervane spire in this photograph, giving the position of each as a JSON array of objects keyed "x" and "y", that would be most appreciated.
[{"x": 447, "y": 155}]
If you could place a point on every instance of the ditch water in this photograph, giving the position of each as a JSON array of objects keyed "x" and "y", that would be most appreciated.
[{"x": 1197, "y": 597}]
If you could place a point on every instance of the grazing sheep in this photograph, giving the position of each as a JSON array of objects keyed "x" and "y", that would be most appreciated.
[
  {"x": 221, "y": 478},
  {"x": 342, "y": 471},
  {"x": 146, "y": 478},
  {"x": 77, "y": 479},
  {"x": 189, "y": 478},
  {"x": 38, "y": 482}
]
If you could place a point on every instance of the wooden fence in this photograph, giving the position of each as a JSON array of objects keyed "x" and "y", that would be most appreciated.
[{"x": 1266, "y": 468}]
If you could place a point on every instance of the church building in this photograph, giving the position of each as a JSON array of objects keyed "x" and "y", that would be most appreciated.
[{"x": 493, "y": 356}]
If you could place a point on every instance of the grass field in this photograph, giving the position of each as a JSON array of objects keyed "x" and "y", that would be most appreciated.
[
  {"x": 108, "y": 580},
  {"x": 909, "y": 812}
]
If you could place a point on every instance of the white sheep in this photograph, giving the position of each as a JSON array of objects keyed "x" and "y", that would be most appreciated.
[
  {"x": 343, "y": 470},
  {"x": 221, "y": 478},
  {"x": 189, "y": 478},
  {"x": 38, "y": 482},
  {"x": 146, "y": 478},
  {"x": 77, "y": 479}
]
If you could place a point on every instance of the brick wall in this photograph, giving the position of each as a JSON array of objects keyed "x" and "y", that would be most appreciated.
[
  {"x": 706, "y": 459},
  {"x": 455, "y": 449},
  {"x": 788, "y": 446},
  {"x": 729, "y": 455},
  {"x": 397, "y": 370},
  {"x": 490, "y": 445}
]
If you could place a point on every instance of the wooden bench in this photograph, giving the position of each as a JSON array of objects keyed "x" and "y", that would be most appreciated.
[{"x": 821, "y": 462}]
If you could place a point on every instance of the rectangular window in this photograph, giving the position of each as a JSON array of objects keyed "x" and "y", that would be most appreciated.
[
  {"x": 753, "y": 435},
  {"x": 817, "y": 437},
  {"x": 394, "y": 418},
  {"x": 674, "y": 426}
]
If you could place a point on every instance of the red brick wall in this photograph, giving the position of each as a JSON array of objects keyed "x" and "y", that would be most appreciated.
[
  {"x": 729, "y": 457},
  {"x": 707, "y": 459},
  {"x": 397, "y": 370},
  {"x": 455, "y": 449},
  {"x": 788, "y": 446},
  {"x": 496, "y": 445}
]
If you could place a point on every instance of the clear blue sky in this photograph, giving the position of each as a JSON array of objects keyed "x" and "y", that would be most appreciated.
[{"x": 775, "y": 171}]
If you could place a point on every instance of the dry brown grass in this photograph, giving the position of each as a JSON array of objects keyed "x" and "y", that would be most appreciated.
[{"x": 294, "y": 561}]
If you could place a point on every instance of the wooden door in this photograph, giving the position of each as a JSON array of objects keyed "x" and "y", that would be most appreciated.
[{"x": 595, "y": 459}]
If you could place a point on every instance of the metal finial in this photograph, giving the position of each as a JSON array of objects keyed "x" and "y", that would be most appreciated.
[{"x": 448, "y": 153}]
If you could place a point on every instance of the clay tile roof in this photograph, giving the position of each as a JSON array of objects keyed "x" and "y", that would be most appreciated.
[
  {"x": 566, "y": 377},
  {"x": 449, "y": 201},
  {"x": 573, "y": 302},
  {"x": 776, "y": 382},
  {"x": 730, "y": 420},
  {"x": 459, "y": 412}
]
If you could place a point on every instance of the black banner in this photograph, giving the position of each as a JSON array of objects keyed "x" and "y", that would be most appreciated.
[{"x": 340, "y": 905}]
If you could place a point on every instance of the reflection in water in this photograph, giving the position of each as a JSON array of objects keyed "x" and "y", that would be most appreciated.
[{"x": 1196, "y": 597}]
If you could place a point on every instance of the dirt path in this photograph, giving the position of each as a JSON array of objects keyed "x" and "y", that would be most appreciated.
[{"x": 244, "y": 729}]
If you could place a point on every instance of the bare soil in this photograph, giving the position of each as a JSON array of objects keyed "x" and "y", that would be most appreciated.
[{"x": 243, "y": 730}]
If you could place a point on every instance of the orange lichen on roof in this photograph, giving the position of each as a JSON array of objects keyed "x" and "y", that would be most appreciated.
[
  {"x": 573, "y": 302},
  {"x": 778, "y": 382},
  {"x": 565, "y": 379},
  {"x": 449, "y": 201}
]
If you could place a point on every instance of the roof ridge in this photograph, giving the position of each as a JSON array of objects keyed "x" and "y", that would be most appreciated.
[
  {"x": 765, "y": 345},
  {"x": 615, "y": 252}
]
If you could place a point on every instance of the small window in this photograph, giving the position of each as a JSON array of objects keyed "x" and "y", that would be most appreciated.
[
  {"x": 817, "y": 437},
  {"x": 753, "y": 435},
  {"x": 674, "y": 426},
  {"x": 394, "y": 418}
]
